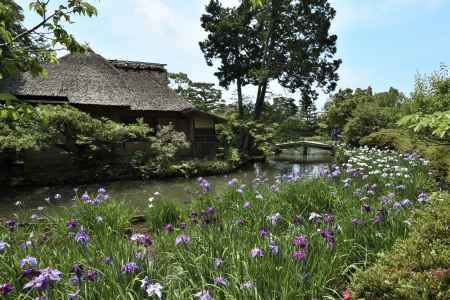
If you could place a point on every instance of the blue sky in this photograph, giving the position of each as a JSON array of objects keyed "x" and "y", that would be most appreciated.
[{"x": 382, "y": 43}]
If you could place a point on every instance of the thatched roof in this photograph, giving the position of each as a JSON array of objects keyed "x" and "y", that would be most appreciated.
[{"x": 91, "y": 79}]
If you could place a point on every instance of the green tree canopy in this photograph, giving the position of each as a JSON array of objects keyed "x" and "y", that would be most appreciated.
[
  {"x": 202, "y": 95},
  {"x": 287, "y": 41}
]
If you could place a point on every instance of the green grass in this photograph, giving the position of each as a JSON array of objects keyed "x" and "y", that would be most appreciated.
[{"x": 230, "y": 232}]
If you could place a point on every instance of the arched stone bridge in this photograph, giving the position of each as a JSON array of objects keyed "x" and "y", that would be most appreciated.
[{"x": 305, "y": 145}]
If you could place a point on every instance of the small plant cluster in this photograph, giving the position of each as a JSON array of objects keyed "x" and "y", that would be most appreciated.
[
  {"x": 418, "y": 267},
  {"x": 287, "y": 237}
]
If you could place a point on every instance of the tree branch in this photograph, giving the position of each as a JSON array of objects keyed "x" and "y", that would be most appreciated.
[{"x": 45, "y": 20}]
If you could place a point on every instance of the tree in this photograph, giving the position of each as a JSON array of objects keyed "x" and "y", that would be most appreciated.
[
  {"x": 229, "y": 33},
  {"x": 427, "y": 112},
  {"x": 25, "y": 49},
  {"x": 355, "y": 114},
  {"x": 283, "y": 40},
  {"x": 202, "y": 95}
]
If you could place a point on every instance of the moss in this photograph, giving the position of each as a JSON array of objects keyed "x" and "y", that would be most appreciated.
[
  {"x": 439, "y": 156},
  {"x": 415, "y": 268}
]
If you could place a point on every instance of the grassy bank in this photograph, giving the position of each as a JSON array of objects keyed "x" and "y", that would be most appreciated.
[{"x": 288, "y": 238}]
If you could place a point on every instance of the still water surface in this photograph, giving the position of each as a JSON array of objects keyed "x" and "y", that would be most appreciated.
[{"x": 136, "y": 193}]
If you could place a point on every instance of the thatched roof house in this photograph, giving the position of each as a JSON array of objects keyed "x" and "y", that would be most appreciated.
[{"x": 121, "y": 90}]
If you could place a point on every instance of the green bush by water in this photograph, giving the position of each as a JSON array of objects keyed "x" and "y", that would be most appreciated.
[{"x": 418, "y": 267}]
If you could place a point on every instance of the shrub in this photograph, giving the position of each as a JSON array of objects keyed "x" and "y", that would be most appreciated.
[
  {"x": 418, "y": 267},
  {"x": 68, "y": 128},
  {"x": 367, "y": 118}
]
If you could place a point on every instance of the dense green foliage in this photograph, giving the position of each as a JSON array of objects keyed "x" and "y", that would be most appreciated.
[
  {"x": 355, "y": 114},
  {"x": 242, "y": 244},
  {"x": 68, "y": 128},
  {"x": 231, "y": 138},
  {"x": 428, "y": 110},
  {"x": 23, "y": 49},
  {"x": 416, "y": 268},
  {"x": 202, "y": 95}
]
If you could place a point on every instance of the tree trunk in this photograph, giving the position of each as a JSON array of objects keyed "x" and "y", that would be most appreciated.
[
  {"x": 240, "y": 100},
  {"x": 259, "y": 105}
]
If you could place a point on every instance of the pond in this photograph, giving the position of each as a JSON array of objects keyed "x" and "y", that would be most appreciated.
[{"x": 137, "y": 192}]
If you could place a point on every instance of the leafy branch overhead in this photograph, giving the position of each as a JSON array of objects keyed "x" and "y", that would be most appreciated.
[{"x": 26, "y": 49}]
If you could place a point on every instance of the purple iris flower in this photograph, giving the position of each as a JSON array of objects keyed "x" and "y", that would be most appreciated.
[
  {"x": 356, "y": 221},
  {"x": 77, "y": 269},
  {"x": 422, "y": 198},
  {"x": 300, "y": 241},
  {"x": 182, "y": 239},
  {"x": 274, "y": 188},
  {"x": 247, "y": 285},
  {"x": 82, "y": 237},
  {"x": 264, "y": 232},
  {"x": 240, "y": 221},
  {"x": 142, "y": 239},
  {"x": 43, "y": 279},
  {"x": 328, "y": 218},
  {"x": 406, "y": 202},
  {"x": 11, "y": 224},
  {"x": 397, "y": 205},
  {"x": 365, "y": 207},
  {"x": 275, "y": 218},
  {"x": 220, "y": 280},
  {"x": 204, "y": 295},
  {"x": 232, "y": 182},
  {"x": 102, "y": 190},
  {"x": 28, "y": 262},
  {"x": 92, "y": 276},
  {"x": 72, "y": 223},
  {"x": 26, "y": 245},
  {"x": 204, "y": 184},
  {"x": 168, "y": 228},
  {"x": 273, "y": 248},
  {"x": 75, "y": 280},
  {"x": 139, "y": 255},
  {"x": 57, "y": 197},
  {"x": 327, "y": 234},
  {"x": 5, "y": 288},
  {"x": 379, "y": 216},
  {"x": 247, "y": 205},
  {"x": 145, "y": 283},
  {"x": 315, "y": 217},
  {"x": 130, "y": 267},
  {"x": 74, "y": 295},
  {"x": 299, "y": 255},
  {"x": 3, "y": 246},
  {"x": 85, "y": 197},
  {"x": 182, "y": 225},
  {"x": 107, "y": 260},
  {"x": 256, "y": 252}
]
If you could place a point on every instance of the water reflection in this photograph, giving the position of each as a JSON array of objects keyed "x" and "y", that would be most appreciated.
[{"x": 136, "y": 193}]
